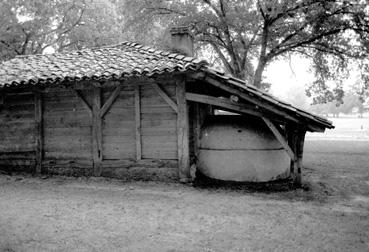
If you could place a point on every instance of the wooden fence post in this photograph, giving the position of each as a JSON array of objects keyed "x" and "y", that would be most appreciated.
[{"x": 183, "y": 133}]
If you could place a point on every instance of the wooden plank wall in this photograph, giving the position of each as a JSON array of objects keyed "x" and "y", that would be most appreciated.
[
  {"x": 67, "y": 127},
  {"x": 119, "y": 126},
  {"x": 66, "y": 140},
  {"x": 18, "y": 128},
  {"x": 158, "y": 123}
]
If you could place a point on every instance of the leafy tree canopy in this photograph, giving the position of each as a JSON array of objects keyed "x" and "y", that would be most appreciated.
[
  {"x": 29, "y": 27},
  {"x": 247, "y": 35}
]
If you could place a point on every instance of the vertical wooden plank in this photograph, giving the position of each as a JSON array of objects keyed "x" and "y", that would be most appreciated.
[
  {"x": 39, "y": 131},
  {"x": 138, "y": 122},
  {"x": 183, "y": 133},
  {"x": 97, "y": 131}
]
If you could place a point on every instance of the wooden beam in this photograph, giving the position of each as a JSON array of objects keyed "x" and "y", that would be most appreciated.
[
  {"x": 165, "y": 96},
  {"x": 39, "y": 132},
  {"x": 110, "y": 101},
  {"x": 84, "y": 101},
  {"x": 249, "y": 98},
  {"x": 96, "y": 131},
  {"x": 2, "y": 100},
  {"x": 314, "y": 125},
  {"x": 197, "y": 128},
  {"x": 291, "y": 137},
  {"x": 183, "y": 133},
  {"x": 223, "y": 103},
  {"x": 138, "y": 122},
  {"x": 280, "y": 138}
]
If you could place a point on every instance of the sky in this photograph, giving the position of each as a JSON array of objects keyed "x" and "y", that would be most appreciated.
[
  {"x": 285, "y": 75},
  {"x": 291, "y": 77}
]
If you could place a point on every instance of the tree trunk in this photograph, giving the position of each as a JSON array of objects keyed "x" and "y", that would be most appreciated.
[
  {"x": 262, "y": 58},
  {"x": 259, "y": 73}
]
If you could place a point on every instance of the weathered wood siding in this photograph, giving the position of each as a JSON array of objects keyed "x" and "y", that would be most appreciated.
[
  {"x": 131, "y": 123},
  {"x": 67, "y": 126},
  {"x": 158, "y": 123},
  {"x": 119, "y": 126},
  {"x": 17, "y": 130}
]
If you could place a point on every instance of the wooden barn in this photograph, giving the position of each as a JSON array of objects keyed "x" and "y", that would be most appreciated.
[{"x": 131, "y": 111}]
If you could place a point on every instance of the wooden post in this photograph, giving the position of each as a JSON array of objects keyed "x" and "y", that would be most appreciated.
[
  {"x": 183, "y": 133},
  {"x": 97, "y": 131},
  {"x": 299, "y": 154},
  {"x": 292, "y": 143},
  {"x": 39, "y": 132},
  {"x": 138, "y": 122},
  {"x": 296, "y": 139},
  {"x": 197, "y": 128},
  {"x": 2, "y": 98}
]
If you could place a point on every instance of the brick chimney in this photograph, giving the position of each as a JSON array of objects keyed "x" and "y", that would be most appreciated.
[{"x": 181, "y": 41}]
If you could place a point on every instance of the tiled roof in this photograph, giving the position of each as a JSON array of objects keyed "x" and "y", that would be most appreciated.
[
  {"x": 110, "y": 62},
  {"x": 121, "y": 61}
]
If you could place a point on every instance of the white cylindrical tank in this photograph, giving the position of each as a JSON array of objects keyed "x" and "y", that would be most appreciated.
[{"x": 240, "y": 148}]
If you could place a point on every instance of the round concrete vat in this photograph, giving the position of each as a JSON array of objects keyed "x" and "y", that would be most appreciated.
[{"x": 240, "y": 148}]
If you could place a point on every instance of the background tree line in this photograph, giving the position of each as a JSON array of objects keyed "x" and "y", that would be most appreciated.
[{"x": 241, "y": 36}]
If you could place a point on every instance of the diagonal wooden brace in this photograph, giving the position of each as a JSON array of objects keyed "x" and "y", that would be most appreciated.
[
  {"x": 165, "y": 96},
  {"x": 280, "y": 138}
]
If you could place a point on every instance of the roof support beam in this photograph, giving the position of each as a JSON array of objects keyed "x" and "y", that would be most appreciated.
[
  {"x": 251, "y": 99},
  {"x": 183, "y": 133},
  {"x": 165, "y": 96},
  {"x": 223, "y": 103},
  {"x": 296, "y": 138},
  {"x": 280, "y": 138}
]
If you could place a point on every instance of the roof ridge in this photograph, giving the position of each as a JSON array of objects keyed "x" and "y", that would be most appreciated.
[
  {"x": 165, "y": 53},
  {"x": 134, "y": 45}
]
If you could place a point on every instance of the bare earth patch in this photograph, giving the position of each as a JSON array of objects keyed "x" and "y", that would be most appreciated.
[{"x": 330, "y": 213}]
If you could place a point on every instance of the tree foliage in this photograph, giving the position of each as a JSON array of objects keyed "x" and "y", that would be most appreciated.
[
  {"x": 29, "y": 27},
  {"x": 245, "y": 35},
  {"x": 242, "y": 32}
]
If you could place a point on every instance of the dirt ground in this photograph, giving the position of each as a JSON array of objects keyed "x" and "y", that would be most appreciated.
[{"x": 330, "y": 213}]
